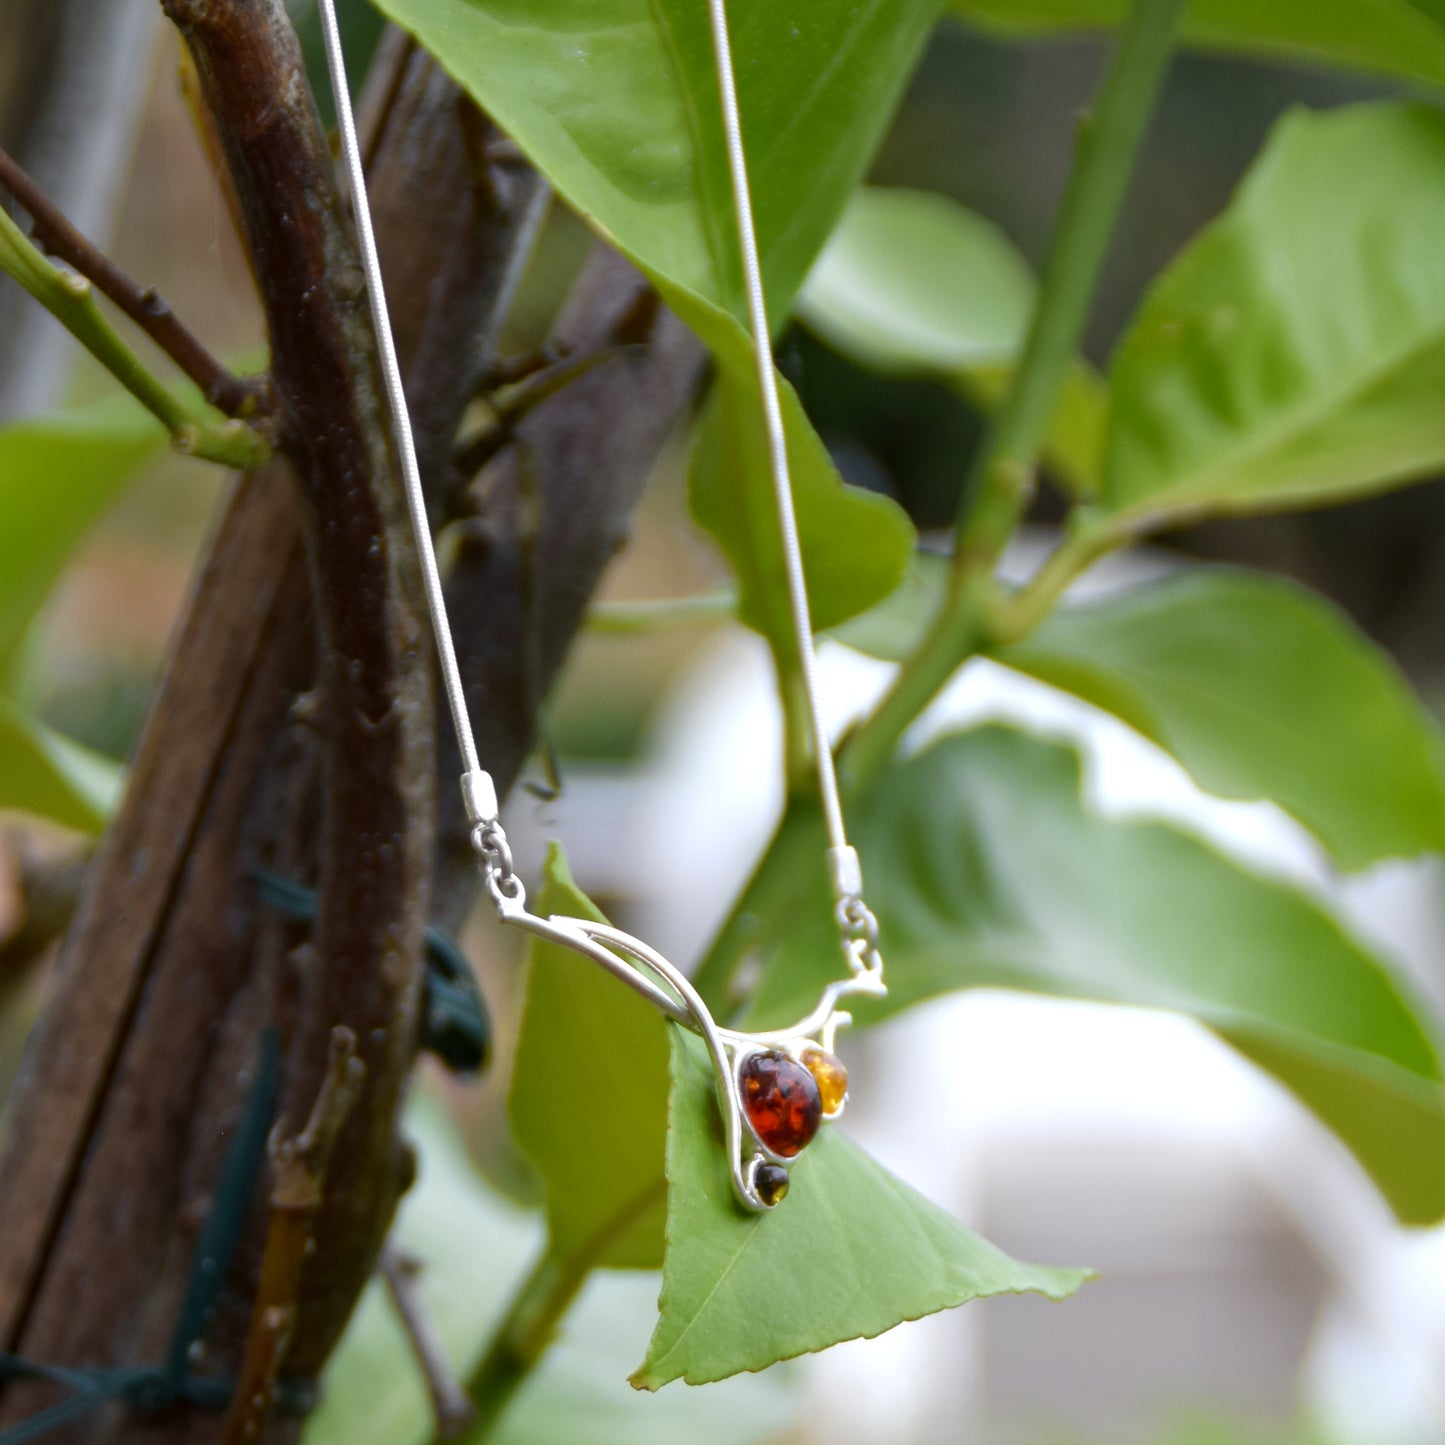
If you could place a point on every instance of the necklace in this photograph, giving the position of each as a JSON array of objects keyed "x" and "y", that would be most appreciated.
[{"x": 775, "y": 1088}]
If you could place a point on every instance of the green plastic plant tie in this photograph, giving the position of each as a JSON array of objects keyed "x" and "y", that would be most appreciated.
[
  {"x": 149, "y": 1388},
  {"x": 456, "y": 1025},
  {"x": 216, "y": 1246}
]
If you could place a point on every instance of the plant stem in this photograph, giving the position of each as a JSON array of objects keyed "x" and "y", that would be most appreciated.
[
  {"x": 1000, "y": 480},
  {"x": 1108, "y": 140},
  {"x": 701, "y": 609},
  {"x": 1087, "y": 540},
  {"x": 521, "y": 1340},
  {"x": 53, "y": 229},
  {"x": 70, "y": 299}
]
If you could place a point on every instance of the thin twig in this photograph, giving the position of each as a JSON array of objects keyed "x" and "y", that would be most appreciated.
[
  {"x": 452, "y": 1408},
  {"x": 70, "y": 298},
  {"x": 520, "y": 400},
  {"x": 651, "y": 614},
  {"x": 234, "y": 395},
  {"x": 300, "y": 1164},
  {"x": 509, "y": 370}
]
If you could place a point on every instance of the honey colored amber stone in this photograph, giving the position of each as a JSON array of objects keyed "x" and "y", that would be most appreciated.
[
  {"x": 781, "y": 1100},
  {"x": 771, "y": 1183},
  {"x": 830, "y": 1076}
]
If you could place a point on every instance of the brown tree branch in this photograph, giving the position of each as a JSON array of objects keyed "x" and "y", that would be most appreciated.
[
  {"x": 558, "y": 507},
  {"x": 172, "y": 968},
  {"x": 469, "y": 246},
  {"x": 375, "y": 737},
  {"x": 452, "y": 1407},
  {"x": 52, "y": 230},
  {"x": 299, "y": 1166}
]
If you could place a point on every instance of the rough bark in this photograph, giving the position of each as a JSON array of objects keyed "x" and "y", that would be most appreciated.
[{"x": 295, "y": 729}]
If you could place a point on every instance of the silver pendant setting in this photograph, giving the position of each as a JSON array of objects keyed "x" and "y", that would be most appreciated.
[{"x": 647, "y": 972}]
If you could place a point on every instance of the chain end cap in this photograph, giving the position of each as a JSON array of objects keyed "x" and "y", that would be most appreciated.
[
  {"x": 480, "y": 796},
  {"x": 847, "y": 872}
]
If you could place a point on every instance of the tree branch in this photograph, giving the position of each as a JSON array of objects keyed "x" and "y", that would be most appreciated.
[
  {"x": 71, "y": 300},
  {"x": 227, "y": 392},
  {"x": 372, "y": 838},
  {"x": 452, "y": 1410},
  {"x": 558, "y": 506}
]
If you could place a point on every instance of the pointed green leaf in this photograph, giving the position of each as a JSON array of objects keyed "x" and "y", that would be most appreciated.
[
  {"x": 589, "y": 1097},
  {"x": 473, "y": 1246},
  {"x": 1391, "y": 36},
  {"x": 856, "y": 544},
  {"x": 912, "y": 282},
  {"x": 1295, "y": 353},
  {"x": 1262, "y": 690},
  {"x": 58, "y": 473},
  {"x": 52, "y": 776},
  {"x": 986, "y": 870},
  {"x": 851, "y": 1252}
]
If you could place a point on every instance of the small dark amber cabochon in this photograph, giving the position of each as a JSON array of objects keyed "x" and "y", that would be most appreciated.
[
  {"x": 781, "y": 1099},
  {"x": 771, "y": 1183},
  {"x": 830, "y": 1076}
]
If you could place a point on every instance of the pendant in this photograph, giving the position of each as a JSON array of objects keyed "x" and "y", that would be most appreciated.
[{"x": 774, "y": 1089}]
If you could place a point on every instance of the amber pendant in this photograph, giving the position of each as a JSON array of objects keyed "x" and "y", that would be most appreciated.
[{"x": 774, "y": 1089}]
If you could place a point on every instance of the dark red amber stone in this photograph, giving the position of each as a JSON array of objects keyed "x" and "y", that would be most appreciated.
[{"x": 781, "y": 1100}]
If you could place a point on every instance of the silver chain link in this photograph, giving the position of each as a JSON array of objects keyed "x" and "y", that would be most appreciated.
[{"x": 489, "y": 840}]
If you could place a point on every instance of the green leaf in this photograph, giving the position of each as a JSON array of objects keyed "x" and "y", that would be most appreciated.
[
  {"x": 52, "y": 776},
  {"x": 894, "y": 627},
  {"x": 856, "y": 544},
  {"x": 1390, "y": 36},
  {"x": 473, "y": 1247},
  {"x": 1262, "y": 690},
  {"x": 58, "y": 473},
  {"x": 1295, "y": 354},
  {"x": 912, "y": 283},
  {"x": 588, "y": 1098},
  {"x": 851, "y": 1252},
  {"x": 986, "y": 870},
  {"x": 616, "y": 102}
]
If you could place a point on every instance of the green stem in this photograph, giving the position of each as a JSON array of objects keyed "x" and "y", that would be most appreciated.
[
  {"x": 70, "y": 298},
  {"x": 1086, "y": 541},
  {"x": 781, "y": 876},
  {"x": 521, "y": 1340},
  {"x": 999, "y": 485},
  {"x": 1108, "y": 141},
  {"x": 530, "y": 1324},
  {"x": 702, "y": 609}
]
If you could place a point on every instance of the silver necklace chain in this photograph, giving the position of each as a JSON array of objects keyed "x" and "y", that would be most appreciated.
[{"x": 630, "y": 960}]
